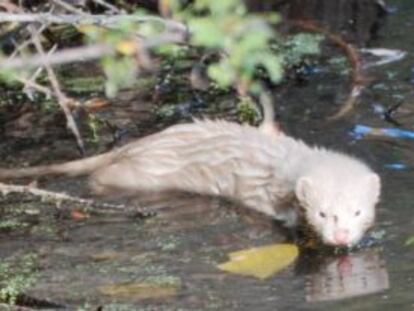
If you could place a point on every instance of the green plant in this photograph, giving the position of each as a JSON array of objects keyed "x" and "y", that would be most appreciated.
[
  {"x": 247, "y": 111},
  {"x": 16, "y": 275},
  {"x": 247, "y": 45},
  {"x": 410, "y": 241},
  {"x": 242, "y": 40}
]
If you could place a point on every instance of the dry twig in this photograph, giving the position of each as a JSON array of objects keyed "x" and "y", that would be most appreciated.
[
  {"x": 101, "y": 20},
  {"x": 69, "y": 7},
  {"x": 57, "y": 197},
  {"x": 66, "y": 56},
  {"x": 5, "y": 306},
  {"x": 61, "y": 97},
  {"x": 110, "y": 7},
  {"x": 29, "y": 84}
]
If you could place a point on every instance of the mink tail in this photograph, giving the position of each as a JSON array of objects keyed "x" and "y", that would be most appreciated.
[{"x": 72, "y": 168}]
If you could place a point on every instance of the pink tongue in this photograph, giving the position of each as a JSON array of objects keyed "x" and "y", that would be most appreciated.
[{"x": 341, "y": 236}]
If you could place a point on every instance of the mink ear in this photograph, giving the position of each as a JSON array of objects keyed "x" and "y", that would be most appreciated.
[
  {"x": 374, "y": 183},
  {"x": 304, "y": 190}
]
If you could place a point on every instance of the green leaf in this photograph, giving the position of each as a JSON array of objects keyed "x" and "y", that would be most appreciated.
[
  {"x": 206, "y": 32},
  {"x": 221, "y": 7},
  {"x": 120, "y": 72},
  {"x": 222, "y": 73},
  {"x": 274, "y": 66},
  {"x": 410, "y": 241},
  {"x": 272, "y": 17},
  {"x": 300, "y": 45}
]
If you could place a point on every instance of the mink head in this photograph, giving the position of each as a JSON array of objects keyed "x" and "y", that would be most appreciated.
[{"x": 339, "y": 200}]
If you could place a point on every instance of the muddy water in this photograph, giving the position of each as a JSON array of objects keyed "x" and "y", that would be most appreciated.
[{"x": 176, "y": 252}]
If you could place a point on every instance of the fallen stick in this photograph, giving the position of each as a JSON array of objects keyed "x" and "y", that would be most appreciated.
[{"x": 58, "y": 197}]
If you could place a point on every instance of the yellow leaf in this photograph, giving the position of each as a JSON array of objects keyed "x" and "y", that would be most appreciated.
[
  {"x": 127, "y": 47},
  {"x": 261, "y": 262}
]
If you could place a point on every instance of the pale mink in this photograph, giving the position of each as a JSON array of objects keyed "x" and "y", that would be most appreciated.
[{"x": 263, "y": 169}]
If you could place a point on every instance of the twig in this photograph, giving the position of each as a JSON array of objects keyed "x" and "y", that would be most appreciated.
[
  {"x": 20, "y": 48},
  {"x": 69, "y": 7},
  {"x": 389, "y": 114},
  {"x": 29, "y": 84},
  {"x": 174, "y": 32},
  {"x": 66, "y": 56},
  {"x": 14, "y": 308},
  {"x": 5, "y": 189},
  {"x": 62, "y": 99},
  {"x": 108, "y": 6},
  {"x": 103, "y": 20},
  {"x": 86, "y": 53},
  {"x": 348, "y": 104}
]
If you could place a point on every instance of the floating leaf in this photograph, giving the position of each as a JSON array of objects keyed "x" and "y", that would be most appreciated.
[
  {"x": 139, "y": 291},
  {"x": 261, "y": 262}
]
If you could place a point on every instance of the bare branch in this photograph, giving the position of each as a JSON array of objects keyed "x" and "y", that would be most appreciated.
[
  {"x": 81, "y": 54},
  {"x": 22, "y": 46},
  {"x": 103, "y": 20},
  {"x": 174, "y": 32},
  {"x": 69, "y": 7},
  {"x": 62, "y": 99},
  {"x": 29, "y": 84},
  {"x": 5, "y": 189},
  {"x": 86, "y": 53},
  {"x": 108, "y": 6}
]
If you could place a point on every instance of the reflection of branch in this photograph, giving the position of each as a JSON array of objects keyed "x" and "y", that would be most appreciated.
[{"x": 357, "y": 78}]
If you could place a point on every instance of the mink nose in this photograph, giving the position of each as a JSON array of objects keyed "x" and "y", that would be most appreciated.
[{"x": 341, "y": 236}]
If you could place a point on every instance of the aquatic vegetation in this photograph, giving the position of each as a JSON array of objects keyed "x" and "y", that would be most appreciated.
[{"x": 16, "y": 275}]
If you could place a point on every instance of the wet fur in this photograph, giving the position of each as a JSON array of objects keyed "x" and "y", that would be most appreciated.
[{"x": 260, "y": 167}]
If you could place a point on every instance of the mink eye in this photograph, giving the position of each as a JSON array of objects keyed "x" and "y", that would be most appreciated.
[
  {"x": 322, "y": 214},
  {"x": 358, "y": 212}
]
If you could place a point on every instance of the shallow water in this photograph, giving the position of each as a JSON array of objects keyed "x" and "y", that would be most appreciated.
[{"x": 181, "y": 246}]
